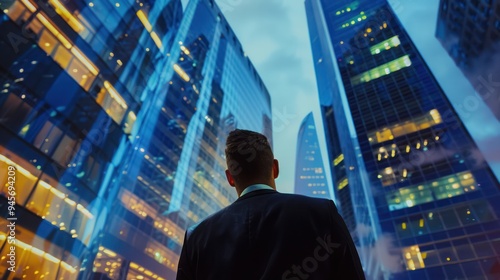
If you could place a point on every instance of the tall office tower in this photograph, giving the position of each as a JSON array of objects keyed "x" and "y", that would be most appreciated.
[
  {"x": 113, "y": 115},
  {"x": 470, "y": 32},
  {"x": 310, "y": 176},
  {"x": 414, "y": 175},
  {"x": 172, "y": 174},
  {"x": 73, "y": 75}
]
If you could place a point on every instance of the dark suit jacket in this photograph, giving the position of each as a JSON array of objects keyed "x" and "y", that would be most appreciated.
[{"x": 269, "y": 235}]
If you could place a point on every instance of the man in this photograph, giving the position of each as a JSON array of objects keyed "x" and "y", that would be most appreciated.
[{"x": 265, "y": 234}]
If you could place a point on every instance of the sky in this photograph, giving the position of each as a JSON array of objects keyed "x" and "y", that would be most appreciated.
[{"x": 274, "y": 34}]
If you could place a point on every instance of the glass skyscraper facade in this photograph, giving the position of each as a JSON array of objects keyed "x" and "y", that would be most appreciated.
[
  {"x": 470, "y": 32},
  {"x": 468, "y": 28},
  {"x": 114, "y": 116},
  {"x": 310, "y": 176},
  {"x": 414, "y": 176}
]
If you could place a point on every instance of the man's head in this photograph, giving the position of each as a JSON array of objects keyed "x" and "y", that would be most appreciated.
[{"x": 250, "y": 160}]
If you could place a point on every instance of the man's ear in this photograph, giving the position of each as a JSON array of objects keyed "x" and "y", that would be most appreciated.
[
  {"x": 276, "y": 168},
  {"x": 229, "y": 178}
]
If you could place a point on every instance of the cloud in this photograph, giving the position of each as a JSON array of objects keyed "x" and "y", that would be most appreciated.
[
  {"x": 388, "y": 254},
  {"x": 383, "y": 250}
]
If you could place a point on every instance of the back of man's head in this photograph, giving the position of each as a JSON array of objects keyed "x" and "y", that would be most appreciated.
[{"x": 249, "y": 157}]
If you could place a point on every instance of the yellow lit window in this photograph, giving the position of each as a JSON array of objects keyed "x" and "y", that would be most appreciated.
[
  {"x": 355, "y": 19},
  {"x": 384, "y": 135},
  {"x": 62, "y": 56},
  {"x": 147, "y": 25},
  {"x": 385, "y": 45},
  {"x": 108, "y": 263},
  {"x": 387, "y": 176},
  {"x": 181, "y": 73},
  {"x": 81, "y": 74},
  {"x": 342, "y": 184},
  {"x": 47, "y": 42},
  {"x": 35, "y": 261},
  {"x": 129, "y": 122},
  {"x": 404, "y": 129},
  {"x": 24, "y": 178},
  {"x": 424, "y": 121},
  {"x": 137, "y": 205},
  {"x": 413, "y": 258},
  {"x": 17, "y": 11},
  {"x": 66, "y": 15},
  {"x": 81, "y": 68},
  {"x": 423, "y": 193},
  {"x": 161, "y": 254},
  {"x": 382, "y": 70},
  {"x": 138, "y": 272},
  {"x": 35, "y": 26},
  {"x": 61, "y": 210},
  {"x": 338, "y": 159},
  {"x": 112, "y": 102}
]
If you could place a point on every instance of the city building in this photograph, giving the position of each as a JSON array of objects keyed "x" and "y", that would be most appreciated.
[
  {"x": 114, "y": 116},
  {"x": 421, "y": 197},
  {"x": 470, "y": 32},
  {"x": 310, "y": 176}
]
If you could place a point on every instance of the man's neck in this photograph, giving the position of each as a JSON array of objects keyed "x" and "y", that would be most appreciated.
[{"x": 255, "y": 187}]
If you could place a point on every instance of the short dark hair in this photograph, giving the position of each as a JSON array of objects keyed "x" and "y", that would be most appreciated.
[{"x": 248, "y": 156}]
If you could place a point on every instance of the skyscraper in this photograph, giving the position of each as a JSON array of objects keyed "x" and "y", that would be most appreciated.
[
  {"x": 416, "y": 180},
  {"x": 72, "y": 78},
  {"x": 114, "y": 116},
  {"x": 310, "y": 176},
  {"x": 470, "y": 32}
]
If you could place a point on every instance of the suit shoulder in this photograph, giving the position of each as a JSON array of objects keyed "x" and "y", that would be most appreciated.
[
  {"x": 302, "y": 199},
  {"x": 200, "y": 225}
]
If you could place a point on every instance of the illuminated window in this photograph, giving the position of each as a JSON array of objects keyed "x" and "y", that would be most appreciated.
[
  {"x": 129, "y": 122},
  {"x": 47, "y": 42},
  {"x": 108, "y": 263},
  {"x": 384, "y": 135},
  {"x": 112, "y": 102},
  {"x": 342, "y": 184},
  {"x": 138, "y": 272},
  {"x": 35, "y": 26},
  {"x": 382, "y": 70},
  {"x": 431, "y": 191},
  {"x": 80, "y": 73},
  {"x": 25, "y": 180},
  {"x": 70, "y": 58},
  {"x": 338, "y": 159},
  {"x": 402, "y": 228},
  {"x": 137, "y": 205},
  {"x": 59, "y": 208},
  {"x": 62, "y": 56},
  {"x": 67, "y": 16},
  {"x": 413, "y": 258},
  {"x": 144, "y": 20},
  {"x": 425, "y": 121},
  {"x": 143, "y": 210},
  {"x": 385, "y": 45},
  {"x": 17, "y": 11},
  {"x": 161, "y": 254},
  {"x": 181, "y": 73},
  {"x": 353, "y": 6},
  {"x": 43, "y": 261},
  {"x": 355, "y": 19}
]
